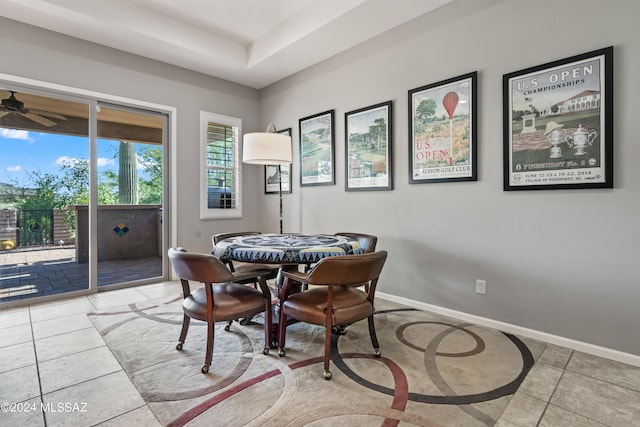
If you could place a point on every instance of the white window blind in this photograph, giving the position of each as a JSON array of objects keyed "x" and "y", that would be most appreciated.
[{"x": 220, "y": 139}]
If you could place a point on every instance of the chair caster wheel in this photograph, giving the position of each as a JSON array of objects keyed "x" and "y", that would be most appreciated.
[
  {"x": 265, "y": 350},
  {"x": 327, "y": 375},
  {"x": 281, "y": 352},
  {"x": 179, "y": 346},
  {"x": 227, "y": 328},
  {"x": 376, "y": 353},
  {"x": 339, "y": 330},
  {"x": 205, "y": 369}
]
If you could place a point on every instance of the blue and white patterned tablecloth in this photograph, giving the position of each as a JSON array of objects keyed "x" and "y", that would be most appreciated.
[{"x": 285, "y": 248}]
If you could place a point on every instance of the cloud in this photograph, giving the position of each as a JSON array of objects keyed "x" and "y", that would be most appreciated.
[
  {"x": 14, "y": 134},
  {"x": 16, "y": 168},
  {"x": 104, "y": 161},
  {"x": 140, "y": 163},
  {"x": 65, "y": 160}
]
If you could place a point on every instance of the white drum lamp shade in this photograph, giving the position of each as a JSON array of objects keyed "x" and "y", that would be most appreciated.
[{"x": 266, "y": 148}]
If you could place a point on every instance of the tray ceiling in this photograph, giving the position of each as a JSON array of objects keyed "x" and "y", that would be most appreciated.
[{"x": 251, "y": 42}]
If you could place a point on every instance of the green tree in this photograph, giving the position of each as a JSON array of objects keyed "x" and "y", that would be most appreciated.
[
  {"x": 151, "y": 162},
  {"x": 425, "y": 110},
  {"x": 74, "y": 183},
  {"x": 47, "y": 188},
  {"x": 74, "y": 188},
  {"x": 108, "y": 188},
  {"x": 378, "y": 132}
]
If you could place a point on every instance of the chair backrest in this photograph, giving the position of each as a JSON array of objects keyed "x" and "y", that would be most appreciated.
[
  {"x": 349, "y": 270},
  {"x": 367, "y": 241},
  {"x": 221, "y": 236},
  {"x": 199, "y": 267}
]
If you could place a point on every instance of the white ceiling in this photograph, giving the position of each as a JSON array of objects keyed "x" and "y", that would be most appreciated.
[{"x": 251, "y": 42}]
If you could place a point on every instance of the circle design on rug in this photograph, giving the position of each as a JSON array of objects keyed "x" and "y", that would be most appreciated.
[
  {"x": 242, "y": 365},
  {"x": 480, "y": 345},
  {"x": 463, "y": 399}
]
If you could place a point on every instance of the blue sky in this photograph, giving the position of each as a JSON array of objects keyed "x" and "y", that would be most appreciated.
[{"x": 24, "y": 151}]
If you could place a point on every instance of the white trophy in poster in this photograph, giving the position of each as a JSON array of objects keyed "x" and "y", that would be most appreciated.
[
  {"x": 580, "y": 139},
  {"x": 555, "y": 137}
]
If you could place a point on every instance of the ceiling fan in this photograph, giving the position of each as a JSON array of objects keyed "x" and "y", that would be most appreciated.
[{"x": 13, "y": 105}]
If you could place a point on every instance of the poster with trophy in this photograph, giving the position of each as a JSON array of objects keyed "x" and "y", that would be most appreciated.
[{"x": 558, "y": 124}]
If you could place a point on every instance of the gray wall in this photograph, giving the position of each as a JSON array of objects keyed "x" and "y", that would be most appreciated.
[
  {"x": 561, "y": 262},
  {"x": 41, "y": 55}
]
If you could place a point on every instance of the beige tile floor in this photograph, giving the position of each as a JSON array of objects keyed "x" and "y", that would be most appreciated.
[{"x": 51, "y": 356}]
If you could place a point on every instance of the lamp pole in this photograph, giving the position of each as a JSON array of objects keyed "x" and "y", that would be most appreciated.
[{"x": 280, "y": 193}]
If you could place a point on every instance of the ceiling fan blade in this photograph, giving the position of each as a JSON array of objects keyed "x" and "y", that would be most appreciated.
[
  {"x": 47, "y": 114},
  {"x": 38, "y": 119}
]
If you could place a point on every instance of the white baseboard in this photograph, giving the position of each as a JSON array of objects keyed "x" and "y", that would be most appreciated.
[{"x": 607, "y": 353}]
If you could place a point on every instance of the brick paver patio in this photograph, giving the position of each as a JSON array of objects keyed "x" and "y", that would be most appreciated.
[{"x": 31, "y": 272}]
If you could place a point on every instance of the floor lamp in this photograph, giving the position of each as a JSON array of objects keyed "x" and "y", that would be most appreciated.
[{"x": 268, "y": 148}]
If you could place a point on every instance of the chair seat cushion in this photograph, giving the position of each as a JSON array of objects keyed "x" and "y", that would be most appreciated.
[
  {"x": 349, "y": 305},
  {"x": 231, "y": 301},
  {"x": 269, "y": 271}
]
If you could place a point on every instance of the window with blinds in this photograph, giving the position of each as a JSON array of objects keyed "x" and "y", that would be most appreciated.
[{"x": 220, "y": 139}]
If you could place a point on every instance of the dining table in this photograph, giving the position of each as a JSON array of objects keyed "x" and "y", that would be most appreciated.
[{"x": 288, "y": 250}]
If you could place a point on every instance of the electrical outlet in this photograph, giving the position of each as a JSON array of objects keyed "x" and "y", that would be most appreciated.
[{"x": 481, "y": 287}]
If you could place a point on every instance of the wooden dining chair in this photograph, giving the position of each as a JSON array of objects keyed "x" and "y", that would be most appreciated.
[
  {"x": 246, "y": 267},
  {"x": 335, "y": 299},
  {"x": 221, "y": 299},
  {"x": 368, "y": 244},
  {"x": 367, "y": 241}
]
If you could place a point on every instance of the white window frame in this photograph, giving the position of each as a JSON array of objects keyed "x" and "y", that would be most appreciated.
[{"x": 205, "y": 211}]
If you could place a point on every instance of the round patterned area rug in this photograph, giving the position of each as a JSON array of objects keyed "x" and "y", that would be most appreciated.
[{"x": 434, "y": 371}]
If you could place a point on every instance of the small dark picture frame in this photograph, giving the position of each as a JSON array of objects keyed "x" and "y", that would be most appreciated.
[
  {"x": 558, "y": 124},
  {"x": 368, "y": 147},
  {"x": 271, "y": 181}
]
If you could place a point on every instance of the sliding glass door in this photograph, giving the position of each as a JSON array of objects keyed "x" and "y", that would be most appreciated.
[
  {"x": 81, "y": 195},
  {"x": 44, "y": 174},
  {"x": 130, "y": 196}
]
